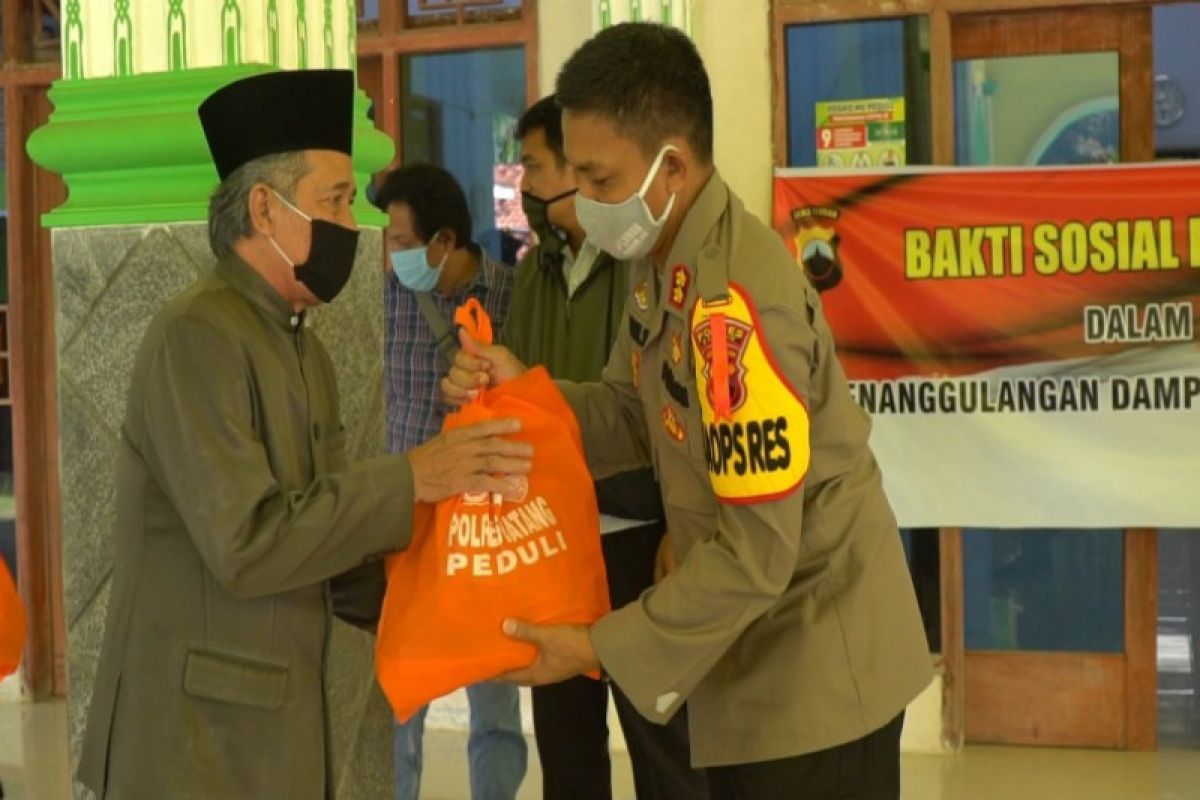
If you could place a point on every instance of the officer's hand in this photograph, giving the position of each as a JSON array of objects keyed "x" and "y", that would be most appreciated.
[
  {"x": 470, "y": 459},
  {"x": 478, "y": 365},
  {"x": 664, "y": 560},
  {"x": 564, "y": 651}
]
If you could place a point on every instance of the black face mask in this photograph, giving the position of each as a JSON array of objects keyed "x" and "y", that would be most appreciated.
[
  {"x": 330, "y": 259},
  {"x": 550, "y": 239},
  {"x": 330, "y": 256}
]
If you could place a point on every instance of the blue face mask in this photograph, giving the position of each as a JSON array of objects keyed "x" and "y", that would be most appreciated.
[{"x": 412, "y": 268}]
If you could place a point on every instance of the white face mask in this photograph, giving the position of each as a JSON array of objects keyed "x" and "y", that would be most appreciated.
[{"x": 625, "y": 230}]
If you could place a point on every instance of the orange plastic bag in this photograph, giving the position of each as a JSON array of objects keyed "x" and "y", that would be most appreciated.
[
  {"x": 12, "y": 624},
  {"x": 475, "y": 560}
]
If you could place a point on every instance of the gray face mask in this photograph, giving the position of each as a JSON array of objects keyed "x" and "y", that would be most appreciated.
[{"x": 625, "y": 230}]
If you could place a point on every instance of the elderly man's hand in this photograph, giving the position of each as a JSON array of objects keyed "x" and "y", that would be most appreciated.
[
  {"x": 564, "y": 651},
  {"x": 478, "y": 365},
  {"x": 473, "y": 458}
]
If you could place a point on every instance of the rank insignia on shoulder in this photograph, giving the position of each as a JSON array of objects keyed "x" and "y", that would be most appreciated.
[
  {"x": 641, "y": 297},
  {"x": 676, "y": 348},
  {"x": 755, "y": 424},
  {"x": 681, "y": 279},
  {"x": 673, "y": 425}
]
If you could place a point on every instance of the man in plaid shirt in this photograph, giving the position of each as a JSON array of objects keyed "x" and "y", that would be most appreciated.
[{"x": 433, "y": 267}]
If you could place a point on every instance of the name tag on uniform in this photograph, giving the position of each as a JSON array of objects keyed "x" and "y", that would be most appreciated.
[{"x": 756, "y": 428}]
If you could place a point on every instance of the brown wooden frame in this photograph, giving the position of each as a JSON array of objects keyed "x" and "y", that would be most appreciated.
[
  {"x": 382, "y": 46},
  {"x": 32, "y": 361},
  {"x": 1121, "y": 702},
  {"x": 940, "y": 13},
  {"x": 960, "y": 29},
  {"x": 1077, "y": 699}
]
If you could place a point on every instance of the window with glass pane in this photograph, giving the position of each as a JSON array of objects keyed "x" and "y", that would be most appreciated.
[
  {"x": 853, "y": 61},
  {"x": 46, "y": 24},
  {"x": 456, "y": 12},
  {"x": 885, "y": 61},
  {"x": 1177, "y": 135},
  {"x": 1177, "y": 81},
  {"x": 368, "y": 11},
  {"x": 1006, "y": 112},
  {"x": 1050, "y": 590},
  {"x": 1041, "y": 589},
  {"x": 460, "y": 111},
  {"x": 1179, "y": 637}
]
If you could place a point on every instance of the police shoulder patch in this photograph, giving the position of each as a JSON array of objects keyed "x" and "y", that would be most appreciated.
[{"x": 755, "y": 425}]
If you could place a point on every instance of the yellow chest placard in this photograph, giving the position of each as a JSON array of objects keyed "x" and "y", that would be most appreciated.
[{"x": 756, "y": 432}]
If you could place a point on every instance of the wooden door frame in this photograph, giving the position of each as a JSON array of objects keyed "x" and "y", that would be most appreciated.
[
  {"x": 940, "y": 14},
  {"x": 32, "y": 191},
  {"x": 1136, "y": 674},
  {"x": 382, "y": 47},
  {"x": 1118, "y": 690},
  {"x": 1127, "y": 30}
]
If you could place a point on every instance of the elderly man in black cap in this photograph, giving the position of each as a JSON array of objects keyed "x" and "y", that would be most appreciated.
[{"x": 240, "y": 526}]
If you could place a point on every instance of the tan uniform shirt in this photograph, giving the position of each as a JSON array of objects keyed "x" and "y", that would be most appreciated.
[
  {"x": 235, "y": 508},
  {"x": 791, "y": 624}
]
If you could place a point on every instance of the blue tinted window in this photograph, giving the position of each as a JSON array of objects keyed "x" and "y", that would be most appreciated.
[
  {"x": 1044, "y": 590},
  {"x": 854, "y": 61},
  {"x": 460, "y": 111},
  {"x": 426, "y": 8}
]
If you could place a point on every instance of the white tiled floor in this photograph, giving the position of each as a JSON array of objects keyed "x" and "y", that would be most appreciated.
[{"x": 33, "y": 766}]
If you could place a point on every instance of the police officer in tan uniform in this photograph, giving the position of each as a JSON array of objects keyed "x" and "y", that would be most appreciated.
[{"x": 790, "y": 626}]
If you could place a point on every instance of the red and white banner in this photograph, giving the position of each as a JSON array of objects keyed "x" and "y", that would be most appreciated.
[{"x": 1024, "y": 339}]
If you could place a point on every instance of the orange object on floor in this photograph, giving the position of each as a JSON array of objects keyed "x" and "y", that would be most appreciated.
[{"x": 12, "y": 624}]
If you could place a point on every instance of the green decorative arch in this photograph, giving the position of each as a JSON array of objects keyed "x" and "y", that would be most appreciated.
[
  {"x": 72, "y": 43},
  {"x": 122, "y": 40},
  {"x": 231, "y": 33},
  {"x": 176, "y": 37}
]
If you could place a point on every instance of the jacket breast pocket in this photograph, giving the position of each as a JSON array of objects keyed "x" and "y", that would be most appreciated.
[{"x": 229, "y": 678}]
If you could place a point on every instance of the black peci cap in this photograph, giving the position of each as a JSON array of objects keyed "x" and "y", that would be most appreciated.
[{"x": 278, "y": 112}]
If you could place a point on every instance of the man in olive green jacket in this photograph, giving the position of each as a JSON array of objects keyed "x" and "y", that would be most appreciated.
[
  {"x": 790, "y": 626},
  {"x": 238, "y": 519}
]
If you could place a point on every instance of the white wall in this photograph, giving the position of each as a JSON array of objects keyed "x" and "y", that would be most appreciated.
[
  {"x": 203, "y": 25},
  {"x": 563, "y": 25},
  {"x": 734, "y": 38}
]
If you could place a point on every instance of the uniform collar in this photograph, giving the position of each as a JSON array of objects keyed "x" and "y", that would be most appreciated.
[
  {"x": 254, "y": 287},
  {"x": 692, "y": 244}
]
